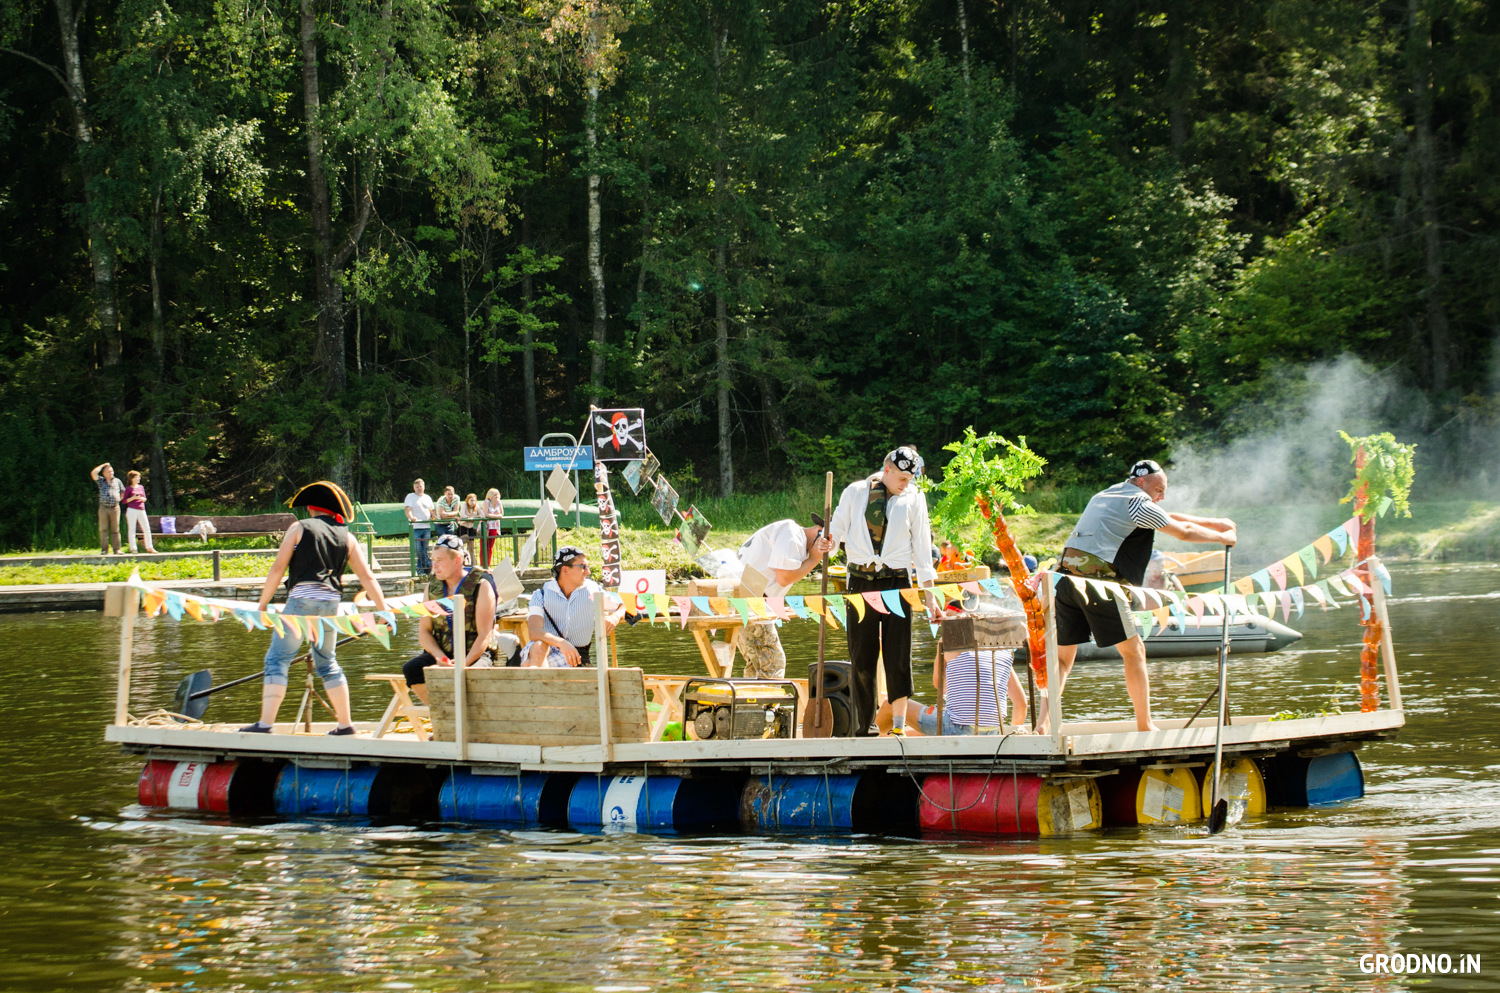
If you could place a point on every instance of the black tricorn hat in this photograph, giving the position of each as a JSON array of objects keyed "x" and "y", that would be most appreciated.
[{"x": 329, "y": 496}]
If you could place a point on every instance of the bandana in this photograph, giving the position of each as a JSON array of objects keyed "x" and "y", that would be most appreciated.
[
  {"x": 565, "y": 555},
  {"x": 906, "y": 459},
  {"x": 324, "y": 511},
  {"x": 1144, "y": 467},
  {"x": 449, "y": 541}
]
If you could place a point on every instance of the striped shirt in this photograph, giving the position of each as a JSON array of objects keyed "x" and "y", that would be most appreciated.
[
  {"x": 313, "y": 591},
  {"x": 961, "y": 673}
]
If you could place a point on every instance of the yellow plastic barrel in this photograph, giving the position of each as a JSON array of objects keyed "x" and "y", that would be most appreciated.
[
  {"x": 1243, "y": 784},
  {"x": 1167, "y": 796},
  {"x": 1066, "y": 805}
]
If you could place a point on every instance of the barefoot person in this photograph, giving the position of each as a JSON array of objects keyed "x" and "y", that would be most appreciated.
[
  {"x": 312, "y": 557},
  {"x": 782, "y": 552},
  {"x": 1112, "y": 541},
  {"x": 450, "y": 577},
  {"x": 882, "y": 523}
]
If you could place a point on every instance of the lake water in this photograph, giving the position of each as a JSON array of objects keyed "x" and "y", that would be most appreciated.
[{"x": 103, "y": 895}]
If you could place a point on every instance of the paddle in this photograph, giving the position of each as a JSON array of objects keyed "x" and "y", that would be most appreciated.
[
  {"x": 1218, "y": 815},
  {"x": 818, "y": 721},
  {"x": 193, "y": 692}
]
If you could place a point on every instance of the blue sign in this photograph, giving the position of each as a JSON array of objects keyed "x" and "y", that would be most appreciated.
[{"x": 555, "y": 456}]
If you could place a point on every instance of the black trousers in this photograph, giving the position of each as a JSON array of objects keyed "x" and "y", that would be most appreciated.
[{"x": 878, "y": 636}]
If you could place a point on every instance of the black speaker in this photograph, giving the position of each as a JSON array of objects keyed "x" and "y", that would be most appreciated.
[{"x": 836, "y": 689}]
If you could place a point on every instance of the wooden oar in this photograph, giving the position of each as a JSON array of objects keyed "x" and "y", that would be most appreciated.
[
  {"x": 192, "y": 696},
  {"x": 1218, "y": 808},
  {"x": 817, "y": 722}
]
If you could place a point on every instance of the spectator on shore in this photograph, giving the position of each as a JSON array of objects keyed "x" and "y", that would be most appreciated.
[
  {"x": 419, "y": 513},
  {"x": 470, "y": 518},
  {"x": 494, "y": 511},
  {"x": 110, "y": 491},
  {"x": 560, "y": 621},
  {"x": 134, "y": 501},
  {"x": 450, "y": 577},
  {"x": 312, "y": 557},
  {"x": 446, "y": 512}
]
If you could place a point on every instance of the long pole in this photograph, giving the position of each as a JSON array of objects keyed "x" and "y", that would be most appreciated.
[
  {"x": 1218, "y": 815},
  {"x": 818, "y": 723},
  {"x": 460, "y": 667},
  {"x": 127, "y": 648},
  {"x": 601, "y": 662}
]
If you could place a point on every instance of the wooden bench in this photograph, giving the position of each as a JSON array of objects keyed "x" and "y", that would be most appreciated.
[
  {"x": 541, "y": 706},
  {"x": 247, "y": 526},
  {"x": 401, "y": 705}
]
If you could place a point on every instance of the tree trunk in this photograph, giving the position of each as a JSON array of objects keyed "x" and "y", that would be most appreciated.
[
  {"x": 1419, "y": 51},
  {"x": 330, "y": 344},
  {"x": 101, "y": 252},
  {"x": 1177, "y": 80},
  {"x": 963, "y": 40},
  {"x": 161, "y": 484},
  {"x": 528, "y": 349},
  {"x": 596, "y": 252},
  {"x": 721, "y": 273}
]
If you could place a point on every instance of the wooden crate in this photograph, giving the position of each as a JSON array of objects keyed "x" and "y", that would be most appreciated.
[{"x": 540, "y": 706}]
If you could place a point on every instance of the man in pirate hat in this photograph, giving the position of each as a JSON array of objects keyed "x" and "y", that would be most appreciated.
[
  {"x": 312, "y": 558},
  {"x": 882, "y": 523},
  {"x": 1112, "y": 541}
]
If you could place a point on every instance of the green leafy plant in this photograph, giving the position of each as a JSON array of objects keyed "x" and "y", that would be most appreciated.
[
  {"x": 1388, "y": 470},
  {"x": 990, "y": 467},
  {"x": 1328, "y": 709}
]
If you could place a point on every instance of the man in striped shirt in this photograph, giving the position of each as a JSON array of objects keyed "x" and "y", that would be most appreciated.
[{"x": 1112, "y": 541}]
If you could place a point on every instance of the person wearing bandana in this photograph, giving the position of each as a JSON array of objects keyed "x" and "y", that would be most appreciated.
[
  {"x": 1112, "y": 541},
  {"x": 882, "y": 523},
  {"x": 560, "y": 619}
]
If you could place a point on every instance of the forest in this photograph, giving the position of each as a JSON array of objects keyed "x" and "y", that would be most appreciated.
[{"x": 248, "y": 245}]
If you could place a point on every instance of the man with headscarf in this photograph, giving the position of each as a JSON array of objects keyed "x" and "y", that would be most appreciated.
[
  {"x": 883, "y": 525},
  {"x": 312, "y": 557},
  {"x": 1113, "y": 541},
  {"x": 560, "y": 620}
]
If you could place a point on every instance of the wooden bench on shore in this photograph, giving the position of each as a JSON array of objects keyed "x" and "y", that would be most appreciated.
[{"x": 247, "y": 526}]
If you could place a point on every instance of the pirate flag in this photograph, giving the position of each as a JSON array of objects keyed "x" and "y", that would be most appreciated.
[{"x": 619, "y": 435}]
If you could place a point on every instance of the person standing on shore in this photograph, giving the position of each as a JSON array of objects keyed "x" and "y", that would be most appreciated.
[
  {"x": 1112, "y": 541},
  {"x": 134, "y": 501},
  {"x": 419, "y": 513},
  {"x": 883, "y": 525},
  {"x": 445, "y": 512},
  {"x": 494, "y": 513},
  {"x": 110, "y": 491},
  {"x": 312, "y": 557}
]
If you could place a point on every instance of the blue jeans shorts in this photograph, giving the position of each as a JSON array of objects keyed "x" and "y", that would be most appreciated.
[
  {"x": 927, "y": 723},
  {"x": 284, "y": 649}
]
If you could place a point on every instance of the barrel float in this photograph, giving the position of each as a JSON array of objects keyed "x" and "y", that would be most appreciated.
[
  {"x": 864, "y": 803},
  {"x": 667, "y": 804},
  {"x": 1294, "y": 781},
  {"x": 1066, "y": 805},
  {"x": 532, "y": 799},
  {"x": 1167, "y": 796},
  {"x": 975, "y": 804},
  {"x": 1243, "y": 785},
  {"x": 243, "y": 786},
  {"x": 358, "y": 791}
]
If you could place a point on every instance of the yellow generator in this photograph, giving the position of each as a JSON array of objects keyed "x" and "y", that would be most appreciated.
[{"x": 716, "y": 709}]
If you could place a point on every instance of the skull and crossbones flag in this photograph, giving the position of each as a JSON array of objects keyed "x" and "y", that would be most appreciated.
[{"x": 619, "y": 435}]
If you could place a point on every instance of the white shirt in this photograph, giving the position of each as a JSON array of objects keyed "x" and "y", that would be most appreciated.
[
  {"x": 908, "y": 535},
  {"x": 782, "y": 545},
  {"x": 420, "y": 507},
  {"x": 574, "y": 615}
]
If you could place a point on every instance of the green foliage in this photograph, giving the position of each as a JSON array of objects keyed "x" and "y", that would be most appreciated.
[
  {"x": 1388, "y": 471},
  {"x": 989, "y": 467}
]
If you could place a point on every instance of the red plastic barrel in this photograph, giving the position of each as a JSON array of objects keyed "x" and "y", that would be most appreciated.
[
  {"x": 219, "y": 787},
  {"x": 1002, "y": 803}
]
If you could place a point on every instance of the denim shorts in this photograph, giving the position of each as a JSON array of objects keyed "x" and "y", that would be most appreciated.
[
  {"x": 927, "y": 723},
  {"x": 284, "y": 649}
]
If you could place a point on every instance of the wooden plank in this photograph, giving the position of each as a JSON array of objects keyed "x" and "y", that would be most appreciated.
[
  {"x": 129, "y": 598},
  {"x": 1387, "y": 645}
]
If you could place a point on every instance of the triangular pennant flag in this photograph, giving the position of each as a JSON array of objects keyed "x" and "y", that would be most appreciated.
[
  {"x": 857, "y": 601},
  {"x": 152, "y": 600},
  {"x": 992, "y": 587},
  {"x": 1293, "y": 565},
  {"x": 1161, "y": 616},
  {"x": 1360, "y": 586},
  {"x": 1385, "y": 577},
  {"x": 1245, "y": 586},
  {"x": 1319, "y": 592},
  {"x": 872, "y": 597},
  {"x": 1100, "y": 593},
  {"x": 1286, "y": 605},
  {"x": 647, "y": 604},
  {"x": 815, "y": 604},
  {"x": 702, "y": 603},
  {"x": 684, "y": 608},
  {"x": 1308, "y": 556},
  {"x": 913, "y": 597},
  {"x": 1277, "y": 571},
  {"x": 1337, "y": 583},
  {"x": 1195, "y": 604},
  {"x": 247, "y": 618},
  {"x": 1364, "y": 609},
  {"x": 1324, "y": 590},
  {"x": 892, "y": 600},
  {"x": 1351, "y": 527},
  {"x": 1297, "y": 598},
  {"x": 344, "y": 625},
  {"x": 835, "y": 606},
  {"x": 1340, "y": 538},
  {"x": 1261, "y": 578},
  {"x": 720, "y": 605},
  {"x": 1268, "y": 601},
  {"x": 1324, "y": 547},
  {"x": 952, "y": 591},
  {"x": 1235, "y": 604},
  {"x": 741, "y": 607},
  {"x": 1385, "y": 504},
  {"x": 632, "y": 605},
  {"x": 777, "y": 606},
  {"x": 798, "y": 606},
  {"x": 193, "y": 607},
  {"x": 972, "y": 587}
]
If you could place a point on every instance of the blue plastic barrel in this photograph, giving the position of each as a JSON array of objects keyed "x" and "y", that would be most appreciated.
[
  {"x": 532, "y": 799},
  {"x": 652, "y": 803},
  {"x": 1293, "y": 781},
  {"x": 867, "y": 803},
  {"x": 326, "y": 792}
]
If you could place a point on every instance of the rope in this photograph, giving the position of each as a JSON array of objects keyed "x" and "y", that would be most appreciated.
[{"x": 994, "y": 767}]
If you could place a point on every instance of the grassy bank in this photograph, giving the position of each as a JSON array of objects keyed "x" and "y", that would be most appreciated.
[{"x": 230, "y": 567}]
